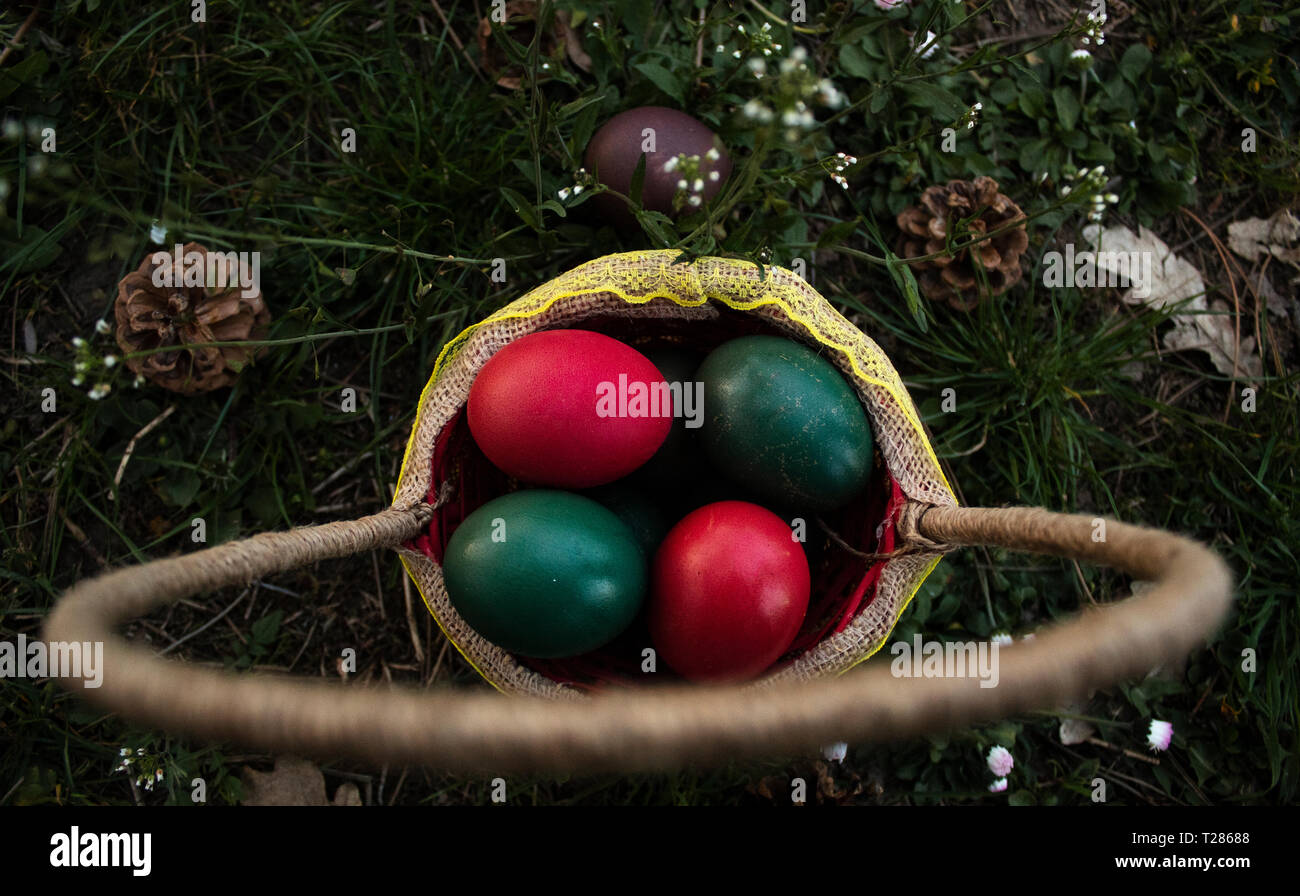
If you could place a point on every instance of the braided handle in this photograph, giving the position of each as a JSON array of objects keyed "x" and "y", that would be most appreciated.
[{"x": 656, "y": 727}]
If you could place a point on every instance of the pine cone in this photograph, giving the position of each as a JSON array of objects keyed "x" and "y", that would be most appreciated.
[
  {"x": 522, "y": 17},
  {"x": 150, "y": 316},
  {"x": 942, "y": 210}
]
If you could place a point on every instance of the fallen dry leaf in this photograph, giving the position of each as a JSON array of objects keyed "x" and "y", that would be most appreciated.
[
  {"x": 1278, "y": 236},
  {"x": 294, "y": 782},
  {"x": 1174, "y": 280}
]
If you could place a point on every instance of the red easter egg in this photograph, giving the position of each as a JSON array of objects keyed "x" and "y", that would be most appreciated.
[
  {"x": 569, "y": 408},
  {"x": 730, "y": 589}
]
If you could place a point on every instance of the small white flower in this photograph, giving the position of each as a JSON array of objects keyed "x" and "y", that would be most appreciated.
[
  {"x": 681, "y": 184},
  {"x": 78, "y": 380},
  {"x": 758, "y": 67},
  {"x": 978, "y": 106},
  {"x": 998, "y": 786},
  {"x": 1002, "y": 639},
  {"x": 1065, "y": 191},
  {"x": 713, "y": 155},
  {"x": 578, "y": 188},
  {"x": 78, "y": 342},
  {"x": 110, "y": 360},
  {"x": 102, "y": 328},
  {"x": 928, "y": 46},
  {"x": 1112, "y": 198},
  {"x": 1159, "y": 736},
  {"x": 1000, "y": 761},
  {"x": 719, "y": 49},
  {"x": 563, "y": 193},
  {"x": 123, "y": 752},
  {"x": 671, "y": 164},
  {"x": 735, "y": 54},
  {"x": 1080, "y": 54},
  {"x": 698, "y": 185},
  {"x": 835, "y": 752},
  {"x": 159, "y": 774},
  {"x": 138, "y": 381},
  {"x": 80, "y": 367},
  {"x": 713, "y": 175},
  {"x": 693, "y": 200},
  {"x": 741, "y": 29},
  {"x": 798, "y": 54},
  {"x": 767, "y": 26}
]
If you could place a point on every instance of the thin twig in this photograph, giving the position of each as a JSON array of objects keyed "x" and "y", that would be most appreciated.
[
  {"x": 130, "y": 448},
  {"x": 1131, "y": 754},
  {"x": 205, "y": 626},
  {"x": 22, "y": 30}
]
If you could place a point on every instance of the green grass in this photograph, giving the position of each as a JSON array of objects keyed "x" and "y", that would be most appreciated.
[{"x": 229, "y": 133}]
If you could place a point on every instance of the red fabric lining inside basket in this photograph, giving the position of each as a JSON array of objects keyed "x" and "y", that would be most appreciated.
[{"x": 843, "y": 584}]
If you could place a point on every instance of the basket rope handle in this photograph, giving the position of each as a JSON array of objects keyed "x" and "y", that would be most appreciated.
[{"x": 655, "y": 727}]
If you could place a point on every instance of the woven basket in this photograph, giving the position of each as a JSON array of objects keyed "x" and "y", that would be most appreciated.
[{"x": 899, "y": 532}]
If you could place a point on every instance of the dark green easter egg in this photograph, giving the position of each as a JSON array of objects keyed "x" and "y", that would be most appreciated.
[
  {"x": 641, "y": 513},
  {"x": 679, "y": 455},
  {"x": 545, "y": 574},
  {"x": 782, "y": 421}
]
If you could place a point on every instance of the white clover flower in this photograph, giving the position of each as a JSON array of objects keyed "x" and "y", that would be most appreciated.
[
  {"x": 998, "y": 786},
  {"x": 1000, "y": 761},
  {"x": 1159, "y": 736}
]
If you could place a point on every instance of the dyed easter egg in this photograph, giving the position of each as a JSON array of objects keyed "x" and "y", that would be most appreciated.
[
  {"x": 781, "y": 420},
  {"x": 569, "y": 408},
  {"x": 729, "y": 591},
  {"x": 617, "y": 147},
  {"x": 544, "y": 573}
]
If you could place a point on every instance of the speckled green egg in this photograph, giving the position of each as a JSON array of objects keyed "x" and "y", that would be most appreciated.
[
  {"x": 782, "y": 421},
  {"x": 545, "y": 574}
]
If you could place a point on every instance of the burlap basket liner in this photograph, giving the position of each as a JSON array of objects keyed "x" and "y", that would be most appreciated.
[{"x": 648, "y": 285}]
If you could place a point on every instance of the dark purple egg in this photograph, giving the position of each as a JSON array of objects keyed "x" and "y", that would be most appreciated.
[{"x": 616, "y": 148}]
